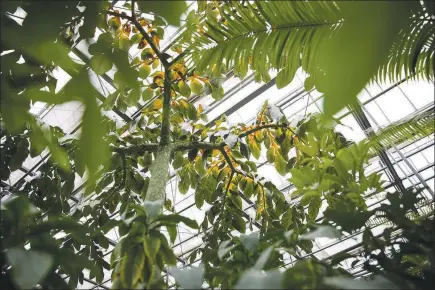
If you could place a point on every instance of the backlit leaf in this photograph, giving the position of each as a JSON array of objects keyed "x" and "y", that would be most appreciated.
[{"x": 28, "y": 267}]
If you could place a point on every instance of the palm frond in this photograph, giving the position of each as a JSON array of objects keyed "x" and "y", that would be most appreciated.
[
  {"x": 263, "y": 35},
  {"x": 287, "y": 35},
  {"x": 413, "y": 56},
  {"x": 411, "y": 129}
]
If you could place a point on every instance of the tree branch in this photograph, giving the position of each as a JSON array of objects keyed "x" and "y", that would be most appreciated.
[
  {"x": 228, "y": 160},
  {"x": 138, "y": 149},
  {"x": 261, "y": 127},
  {"x": 144, "y": 34},
  {"x": 233, "y": 171},
  {"x": 229, "y": 182},
  {"x": 178, "y": 58},
  {"x": 198, "y": 145},
  {"x": 165, "y": 135},
  {"x": 133, "y": 15}
]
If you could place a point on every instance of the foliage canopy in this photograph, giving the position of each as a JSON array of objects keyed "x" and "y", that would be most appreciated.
[{"x": 126, "y": 169}]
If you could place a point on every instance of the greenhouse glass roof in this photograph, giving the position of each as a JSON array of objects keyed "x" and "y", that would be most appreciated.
[{"x": 383, "y": 104}]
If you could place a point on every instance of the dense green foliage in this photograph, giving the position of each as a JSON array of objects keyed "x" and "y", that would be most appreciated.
[
  {"x": 126, "y": 168},
  {"x": 342, "y": 45}
]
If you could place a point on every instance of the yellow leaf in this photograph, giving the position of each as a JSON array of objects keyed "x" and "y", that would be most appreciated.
[{"x": 157, "y": 104}]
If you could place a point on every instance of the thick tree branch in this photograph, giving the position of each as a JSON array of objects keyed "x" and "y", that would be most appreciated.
[
  {"x": 197, "y": 145},
  {"x": 154, "y": 147},
  {"x": 165, "y": 134},
  {"x": 137, "y": 149}
]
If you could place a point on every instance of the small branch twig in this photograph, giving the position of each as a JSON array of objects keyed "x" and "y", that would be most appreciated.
[
  {"x": 133, "y": 15},
  {"x": 261, "y": 127}
]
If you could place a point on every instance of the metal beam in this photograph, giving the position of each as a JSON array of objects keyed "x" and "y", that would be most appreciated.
[{"x": 365, "y": 125}]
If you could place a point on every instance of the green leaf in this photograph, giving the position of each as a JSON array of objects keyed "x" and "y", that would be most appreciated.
[
  {"x": 192, "y": 113},
  {"x": 314, "y": 207},
  {"x": 94, "y": 151},
  {"x": 160, "y": 32},
  {"x": 199, "y": 166},
  {"x": 169, "y": 10},
  {"x": 249, "y": 189},
  {"x": 217, "y": 93},
  {"x": 98, "y": 48},
  {"x": 196, "y": 87},
  {"x": 224, "y": 249},
  {"x": 255, "y": 149},
  {"x": 172, "y": 231},
  {"x": 167, "y": 253},
  {"x": 245, "y": 150},
  {"x": 131, "y": 267},
  {"x": 256, "y": 279},
  {"x": 184, "y": 89},
  {"x": 133, "y": 97},
  {"x": 287, "y": 219},
  {"x": 308, "y": 84},
  {"x": 252, "y": 165},
  {"x": 239, "y": 223},
  {"x": 124, "y": 43},
  {"x": 199, "y": 199},
  {"x": 175, "y": 219},
  {"x": 151, "y": 246},
  {"x": 250, "y": 241},
  {"x": 20, "y": 156},
  {"x": 147, "y": 94},
  {"x": 280, "y": 164},
  {"x": 178, "y": 160},
  {"x": 28, "y": 267},
  {"x": 144, "y": 71},
  {"x": 147, "y": 159},
  {"x": 285, "y": 76},
  {"x": 270, "y": 154},
  {"x": 188, "y": 278},
  {"x": 264, "y": 257},
  {"x": 183, "y": 186},
  {"x": 110, "y": 101},
  {"x": 351, "y": 57},
  {"x": 100, "y": 64}
]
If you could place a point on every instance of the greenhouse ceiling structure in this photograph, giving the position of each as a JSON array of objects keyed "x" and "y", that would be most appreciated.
[{"x": 402, "y": 165}]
